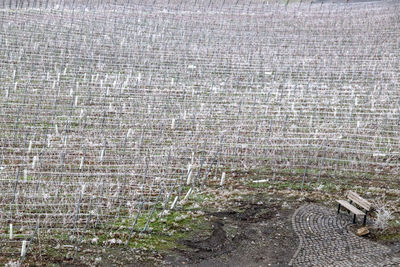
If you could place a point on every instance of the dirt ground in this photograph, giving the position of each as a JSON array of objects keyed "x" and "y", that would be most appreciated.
[{"x": 259, "y": 234}]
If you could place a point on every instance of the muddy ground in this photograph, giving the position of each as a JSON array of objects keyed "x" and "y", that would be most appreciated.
[
  {"x": 254, "y": 229},
  {"x": 254, "y": 232}
]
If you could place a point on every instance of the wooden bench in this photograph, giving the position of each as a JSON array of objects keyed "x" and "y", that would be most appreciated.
[{"x": 362, "y": 203}]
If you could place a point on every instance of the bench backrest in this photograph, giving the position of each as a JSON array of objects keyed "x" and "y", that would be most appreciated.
[{"x": 359, "y": 200}]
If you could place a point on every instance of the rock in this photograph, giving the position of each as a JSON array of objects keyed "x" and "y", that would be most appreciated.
[
  {"x": 97, "y": 260},
  {"x": 362, "y": 231}
]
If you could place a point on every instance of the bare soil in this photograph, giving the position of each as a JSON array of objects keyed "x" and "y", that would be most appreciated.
[{"x": 252, "y": 233}]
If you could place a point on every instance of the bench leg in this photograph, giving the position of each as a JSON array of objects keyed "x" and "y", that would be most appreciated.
[
  {"x": 365, "y": 218},
  {"x": 351, "y": 202},
  {"x": 338, "y": 210},
  {"x": 354, "y": 218}
]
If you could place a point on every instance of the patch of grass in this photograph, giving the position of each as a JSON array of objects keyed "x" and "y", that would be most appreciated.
[
  {"x": 390, "y": 236},
  {"x": 164, "y": 229}
]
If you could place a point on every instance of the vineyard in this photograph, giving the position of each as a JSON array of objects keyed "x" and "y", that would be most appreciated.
[{"x": 117, "y": 111}]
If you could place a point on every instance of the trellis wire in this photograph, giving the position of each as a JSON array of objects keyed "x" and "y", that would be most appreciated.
[{"x": 105, "y": 104}]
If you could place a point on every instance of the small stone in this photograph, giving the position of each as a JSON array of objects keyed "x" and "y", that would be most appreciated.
[{"x": 362, "y": 231}]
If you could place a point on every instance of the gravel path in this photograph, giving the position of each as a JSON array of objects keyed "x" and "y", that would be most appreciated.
[{"x": 326, "y": 241}]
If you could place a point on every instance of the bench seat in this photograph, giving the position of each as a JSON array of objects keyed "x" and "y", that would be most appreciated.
[{"x": 350, "y": 207}]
